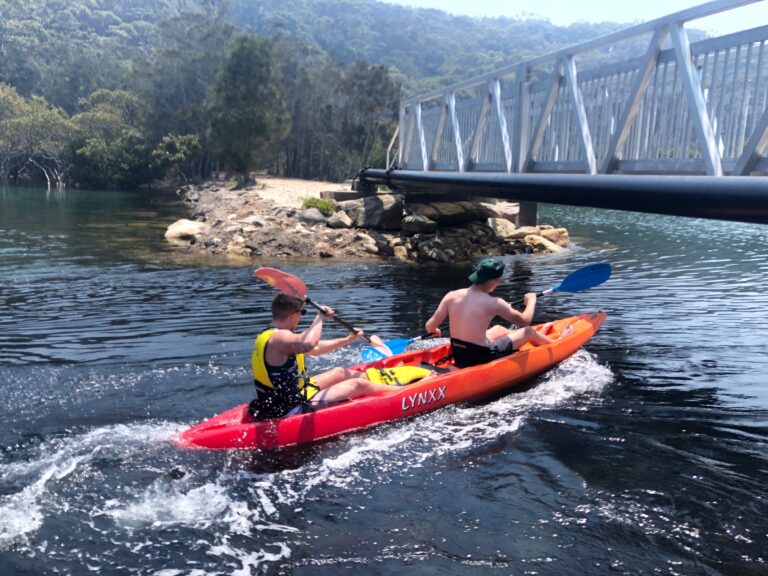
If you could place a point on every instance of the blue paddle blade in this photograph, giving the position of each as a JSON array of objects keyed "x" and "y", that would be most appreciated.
[
  {"x": 370, "y": 354},
  {"x": 585, "y": 278},
  {"x": 399, "y": 345}
]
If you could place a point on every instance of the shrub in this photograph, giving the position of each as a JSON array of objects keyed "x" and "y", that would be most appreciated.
[{"x": 326, "y": 206}]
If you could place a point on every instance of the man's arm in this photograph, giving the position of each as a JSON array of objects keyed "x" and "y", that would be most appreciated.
[
  {"x": 441, "y": 313},
  {"x": 284, "y": 343},
  {"x": 326, "y": 346},
  {"x": 524, "y": 318}
]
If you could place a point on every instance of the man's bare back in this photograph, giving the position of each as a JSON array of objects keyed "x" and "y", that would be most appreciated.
[{"x": 470, "y": 312}]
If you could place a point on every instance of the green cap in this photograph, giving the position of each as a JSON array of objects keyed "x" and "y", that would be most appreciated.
[{"x": 487, "y": 269}]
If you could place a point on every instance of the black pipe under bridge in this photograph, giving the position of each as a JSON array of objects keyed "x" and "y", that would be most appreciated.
[{"x": 743, "y": 199}]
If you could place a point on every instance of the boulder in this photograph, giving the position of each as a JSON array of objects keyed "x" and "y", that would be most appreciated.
[
  {"x": 365, "y": 242},
  {"x": 384, "y": 211},
  {"x": 339, "y": 220},
  {"x": 253, "y": 220},
  {"x": 504, "y": 210},
  {"x": 541, "y": 244},
  {"x": 451, "y": 213},
  {"x": 401, "y": 252},
  {"x": 557, "y": 235},
  {"x": 522, "y": 232},
  {"x": 186, "y": 229},
  {"x": 312, "y": 215},
  {"x": 501, "y": 227},
  {"x": 417, "y": 224}
]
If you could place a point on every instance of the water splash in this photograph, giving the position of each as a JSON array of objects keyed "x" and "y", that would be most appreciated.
[{"x": 31, "y": 484}]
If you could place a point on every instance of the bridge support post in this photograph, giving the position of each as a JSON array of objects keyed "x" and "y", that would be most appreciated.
[{"x": 528, "y": 215}]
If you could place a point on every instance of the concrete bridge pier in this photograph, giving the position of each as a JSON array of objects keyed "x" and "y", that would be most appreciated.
[{"x": 528, "y": 215}]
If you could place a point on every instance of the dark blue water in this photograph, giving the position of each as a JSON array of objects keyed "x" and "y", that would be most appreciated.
[{"x": 643, "y": 453}]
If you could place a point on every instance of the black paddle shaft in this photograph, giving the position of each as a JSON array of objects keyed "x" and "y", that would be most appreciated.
[
  {"x": 522, "y": 300},
  {"x": 341, "y": 322}
]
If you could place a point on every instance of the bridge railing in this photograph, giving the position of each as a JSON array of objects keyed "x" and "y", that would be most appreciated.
[{"x": 676, "y": 108}]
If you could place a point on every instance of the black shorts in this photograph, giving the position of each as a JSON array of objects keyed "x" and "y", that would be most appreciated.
[{"x": 466, "y": 354}]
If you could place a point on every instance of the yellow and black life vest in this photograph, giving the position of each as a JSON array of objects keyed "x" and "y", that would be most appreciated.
[{"x": 261, "y": 372}]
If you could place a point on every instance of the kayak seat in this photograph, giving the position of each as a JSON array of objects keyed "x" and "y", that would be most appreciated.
[{"x": 441, "y": 369}]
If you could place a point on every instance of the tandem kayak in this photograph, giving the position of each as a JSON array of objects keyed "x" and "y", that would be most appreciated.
[{"x": 447, "y": 384}]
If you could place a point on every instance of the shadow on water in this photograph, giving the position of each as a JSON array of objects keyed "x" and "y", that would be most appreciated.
[{"x": 280, "y": 460}]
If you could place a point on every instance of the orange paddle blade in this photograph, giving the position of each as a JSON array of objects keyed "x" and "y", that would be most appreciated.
[
  {"x": 286, "y": 283},
  {"x": 380, "y": 346}
]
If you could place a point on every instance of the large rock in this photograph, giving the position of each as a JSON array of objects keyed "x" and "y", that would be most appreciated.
[
  {"x": 541, "y": 244},
  {"x": 505, "y": 210},
  {"x": 501, "y": 227},
  {"x": 339, "y": 220},
  {"x": 384, "y": 211},
  {"x": 523, "y": 231},
  {"x": 312, "y": 215},
  {"x": 557, "y": 235},
  {"x": 416, "y": 224},
  {"x": 186, "y": 230},
  {"x": 400, "y": 252},
  {"x": 451, "y": 213}
]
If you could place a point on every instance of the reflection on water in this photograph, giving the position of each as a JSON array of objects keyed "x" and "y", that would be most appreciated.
[{"x": 642, "y": 453}]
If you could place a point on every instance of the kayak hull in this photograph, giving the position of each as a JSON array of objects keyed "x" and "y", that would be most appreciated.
[{"x": 236, "y": 429}]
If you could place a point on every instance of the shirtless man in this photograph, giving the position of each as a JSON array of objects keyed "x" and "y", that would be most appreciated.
[{"x": 470, "y": 312}]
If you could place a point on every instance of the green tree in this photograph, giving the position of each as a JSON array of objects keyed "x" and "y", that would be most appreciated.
[
  {"x": 309, "y": 77},
  {"x": 176, "y": 76},
  {"x": 110, "y": 149},
  {"x": 368, "y": 101},
  {"x": 33, "y": 139},
  {"x": 175, "y": 154},
  {"x": 248, "y": 117},
  {"x": 340, "y": 117}
]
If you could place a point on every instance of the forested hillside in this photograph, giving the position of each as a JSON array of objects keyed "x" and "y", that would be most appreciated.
[
  {"x": 424, "y": 48},
  {"x": 114, "y": 93}
]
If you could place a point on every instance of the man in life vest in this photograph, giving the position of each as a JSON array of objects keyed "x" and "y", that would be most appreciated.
[
  {"x": 470, "y": 312},
  {"x": 283, "y": 386}
]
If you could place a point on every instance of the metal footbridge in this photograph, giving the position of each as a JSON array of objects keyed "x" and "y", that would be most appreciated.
[{"x": 640, "y": 119}]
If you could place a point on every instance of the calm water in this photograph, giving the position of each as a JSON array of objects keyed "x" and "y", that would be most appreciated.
[{"x": 644, "y": 453}]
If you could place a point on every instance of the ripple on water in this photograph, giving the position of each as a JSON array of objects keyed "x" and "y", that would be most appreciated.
[{"x": 241, "y": 517}]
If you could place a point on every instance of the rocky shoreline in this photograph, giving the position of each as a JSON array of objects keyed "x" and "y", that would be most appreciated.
[{"x": 267, "y": 221}]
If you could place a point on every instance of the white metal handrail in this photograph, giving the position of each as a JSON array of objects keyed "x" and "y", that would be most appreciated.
[{"x": 677, "y": 108}]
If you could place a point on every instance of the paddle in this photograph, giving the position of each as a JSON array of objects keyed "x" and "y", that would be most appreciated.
[
  {"x": 293, "y": 286},
  {"x": 582, "y": 279},
  {"x": 396, "y": 346}
]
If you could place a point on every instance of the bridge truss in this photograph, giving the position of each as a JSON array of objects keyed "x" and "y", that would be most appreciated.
[{"x": 679, "y": 108}]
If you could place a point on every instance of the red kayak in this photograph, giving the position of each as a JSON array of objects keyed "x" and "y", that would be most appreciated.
[{"x": 447, "y": 384}]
